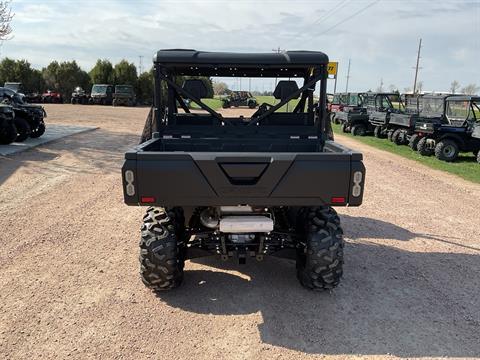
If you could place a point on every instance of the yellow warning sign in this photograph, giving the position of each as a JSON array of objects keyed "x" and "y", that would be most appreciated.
[{"x": 332, "y": 68}]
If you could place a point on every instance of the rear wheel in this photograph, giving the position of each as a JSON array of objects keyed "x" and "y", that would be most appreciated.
[
  {"x": 377, "y": 132},
  {"x": 447, "y": 150},
  {"x": 8, "y": 134},
  {"x": 396, "y": 137},
  {"x": 423, "y": 148},
  {"x": 413, "y": 142},
  {"x": 358, "y": 130},
  {"x": 39, "y": 131},
  {"x": 320, "y": 264},
  {"x": 23, "y": 129},
  {"x": 162, "y": 249},
  {"x": 344, "y": 128}
]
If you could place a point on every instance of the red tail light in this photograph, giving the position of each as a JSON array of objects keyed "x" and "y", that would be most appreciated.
[
  {"x": 147, "y": 199},
  {"x": 337, "y": 200}
]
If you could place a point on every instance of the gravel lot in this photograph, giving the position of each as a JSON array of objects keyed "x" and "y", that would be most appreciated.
[{"x": 69, "y": 284}]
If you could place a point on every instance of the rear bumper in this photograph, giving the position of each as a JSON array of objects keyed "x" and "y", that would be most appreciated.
[{"x": 257, "y": 179}]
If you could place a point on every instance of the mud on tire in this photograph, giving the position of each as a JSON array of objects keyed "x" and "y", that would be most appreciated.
[
  {"x": 320, "y": 264},
  {"x": 422, "y": 147},
  {"x": 162, "y": 249}
]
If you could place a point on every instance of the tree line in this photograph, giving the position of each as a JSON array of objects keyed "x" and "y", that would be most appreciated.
[{"x": 64, "y": 76}]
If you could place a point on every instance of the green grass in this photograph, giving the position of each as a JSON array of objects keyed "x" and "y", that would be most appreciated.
[
  {"x": 212, "y": 103},
  {"x": 466, "y": 166},
  {"x": 272, "y": 101}
]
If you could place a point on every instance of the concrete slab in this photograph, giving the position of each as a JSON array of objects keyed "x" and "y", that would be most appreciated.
[{"x": 53, "y": 132}]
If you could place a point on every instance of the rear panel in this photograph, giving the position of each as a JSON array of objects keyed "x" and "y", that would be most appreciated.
[{"x": 213, "y": 179}]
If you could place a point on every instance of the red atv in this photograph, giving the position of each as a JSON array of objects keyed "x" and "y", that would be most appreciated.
[{"x": 52, "y": 97}]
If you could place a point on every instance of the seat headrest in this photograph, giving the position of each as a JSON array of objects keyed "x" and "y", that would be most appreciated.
[
  {"x": 196, "y": 87},
  {"x": 284, "y": 89}
]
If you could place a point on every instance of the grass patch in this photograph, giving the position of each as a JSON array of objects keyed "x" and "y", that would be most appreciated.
[
  {"x": 466, "y": 166},
  {"x": 212, "y": 103},
  {"x": 272, "y": 101}
]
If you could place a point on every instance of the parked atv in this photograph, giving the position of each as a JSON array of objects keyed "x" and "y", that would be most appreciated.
[
  {"x": 338, "y": 102},
  {"x": 241, "y": 187},
  {"x": 401, "y": 127},
  {"x": 29, "y": 118},
  {"x": 460, "y": 131},
  {"x": 352, "y": 106},
  {"x": 79, "y": 96},
  {"x": 8, "y": 131},
  {"x": 239, "y": 98},
  {"x": 379, "y": 108},
  {"x": 52, "y": 97},
  {"x": 102, "y": 94},
  {"x": 124, "y": 95}
]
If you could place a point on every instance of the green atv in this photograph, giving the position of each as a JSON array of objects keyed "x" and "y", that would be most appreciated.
[
  {"x": 239, "y": 98},
  {"x": 124, "y": 95}
]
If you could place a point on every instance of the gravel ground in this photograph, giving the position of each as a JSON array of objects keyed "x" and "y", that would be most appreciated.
[{"x": 69, "y": 284}]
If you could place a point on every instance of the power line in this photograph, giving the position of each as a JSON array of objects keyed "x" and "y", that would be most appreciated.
[
  {"x": 349, "y": 17},
  {"x": 334, "y": 9}
]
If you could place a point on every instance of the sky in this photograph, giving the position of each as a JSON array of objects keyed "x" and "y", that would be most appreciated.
[{"x": 380, "y": 37}]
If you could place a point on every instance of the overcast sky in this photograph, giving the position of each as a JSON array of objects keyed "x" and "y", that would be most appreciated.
[{"x": 380, "y": 37}]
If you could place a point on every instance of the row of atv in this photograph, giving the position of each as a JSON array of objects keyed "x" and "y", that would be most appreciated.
[
  {"x": 432, "y": 124},
  {"x": 19, "y": 120},
  {"x": 105, "y": 94}
]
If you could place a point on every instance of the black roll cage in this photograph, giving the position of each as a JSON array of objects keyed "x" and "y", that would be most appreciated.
[{"x": 165, "y": 74}]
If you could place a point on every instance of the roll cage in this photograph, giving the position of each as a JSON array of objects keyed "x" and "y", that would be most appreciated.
[{"x": 172, "y": 65}]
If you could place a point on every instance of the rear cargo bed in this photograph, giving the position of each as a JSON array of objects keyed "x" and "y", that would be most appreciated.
[{"x": 275, "y": 173}]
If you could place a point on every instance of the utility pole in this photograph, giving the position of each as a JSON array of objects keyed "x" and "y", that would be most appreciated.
[
  {"x": 348, "y": 76},
  {"x": 416, "y": 67},
  {"x": 140, "y": 64}
]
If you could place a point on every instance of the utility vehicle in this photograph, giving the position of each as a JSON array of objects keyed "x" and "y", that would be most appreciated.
[
  {"x": 29, "y": 118},
  {"x": 352, "y": 112},
  {"x": 239, "y": 98},
  {"x": 401, "y": 127},
  {"x": 124, "y": 95},
  {"x": 245, "y": 186},
  {"x": 79, "y": 96},
  {"x": 52, "y": 97},
  {"x": 379, "y": 108},
  {"x": 8, "y": 131},
  {"x": 338, "y": 102},
  {"x": 458, "y": 130},
  {"x": 101, "y": 94}
]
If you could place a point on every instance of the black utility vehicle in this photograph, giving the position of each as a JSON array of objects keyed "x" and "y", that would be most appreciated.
[
  {"x": 401, "y": 127},
  {"x": 79, "y": 96},
  {"x": 241, "y": 186},
  {"x": 239, "y": 98},
  {"x": 124, "y": 95},
  {"x": 102, "y": 94},
  {"x": 8, "y": 131},
  {"x": 379, "y": 108},
  {"x": 29, "y": 118},
  {"x": 458, "y": 130},
  {"x": 353, "y": 114}
]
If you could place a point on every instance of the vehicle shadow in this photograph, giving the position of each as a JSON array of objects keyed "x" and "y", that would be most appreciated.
[
  {"x": 368, "y": 228},
  {"x": 390, "y": 302},
  {"x": 95, "y": 152}
]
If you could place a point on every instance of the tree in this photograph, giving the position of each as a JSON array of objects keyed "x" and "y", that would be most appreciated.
[
  {"x": 470, "y": 89},
  {"x": 380, "y": 87},
  {"x": 220, "y": 88},
  {"x": 454, "y": 86},
  {"x": 64, "y": 77},
  {"x": 407, "y": 90},
  {"x": 21, "y": 71},
  {"x": 102, "y": 72},
  {"x": 125, "y": 73},
  {"x": 145, "y": 87},
  {"x": 393, "y": 88},
  {"x": 6, "y": 17}
]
